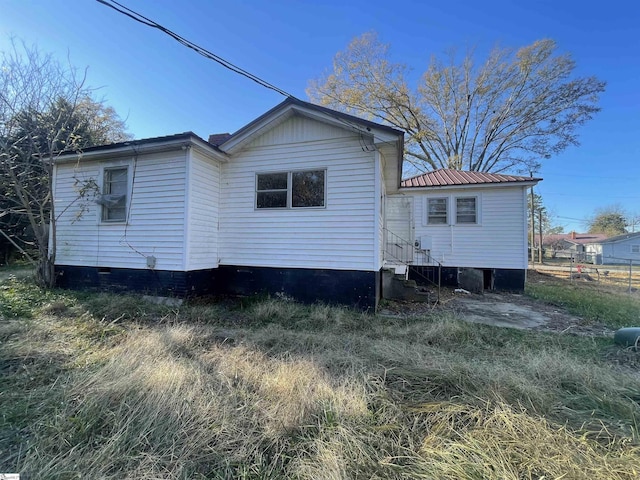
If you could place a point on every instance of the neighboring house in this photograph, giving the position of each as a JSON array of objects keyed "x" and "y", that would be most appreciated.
[
  {"x": 300, "y": 202},
  {"x": 571, "y": 245},
  {"x": 621, "y": 249},
  {"x": 467, "y": 221}
]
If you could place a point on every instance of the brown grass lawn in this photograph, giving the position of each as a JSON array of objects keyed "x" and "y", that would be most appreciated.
[{"x": 110, "y": 387}]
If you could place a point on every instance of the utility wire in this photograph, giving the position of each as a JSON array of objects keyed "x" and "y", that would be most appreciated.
[
  {"x": 118, "y": 7},
  {"x": 198, "y": 49}
]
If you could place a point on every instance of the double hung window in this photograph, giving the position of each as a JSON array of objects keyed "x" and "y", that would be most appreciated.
[{"x": 114, "y": 197}]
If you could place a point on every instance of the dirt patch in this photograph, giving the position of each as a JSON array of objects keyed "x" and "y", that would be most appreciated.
[
  {"x": 521, "y": 311},
  {"x": 504, "y": 310}
]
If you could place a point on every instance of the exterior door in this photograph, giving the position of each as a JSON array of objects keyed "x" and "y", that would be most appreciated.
[{"x": 399, "y": 228}]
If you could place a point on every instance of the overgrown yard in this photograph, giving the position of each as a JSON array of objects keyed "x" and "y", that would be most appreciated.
[{"x": 109, "y": 387}]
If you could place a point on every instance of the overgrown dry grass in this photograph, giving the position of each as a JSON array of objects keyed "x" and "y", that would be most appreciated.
[
  {"x": 107, "y": 386},
  {"x": 589, "y": 300}
]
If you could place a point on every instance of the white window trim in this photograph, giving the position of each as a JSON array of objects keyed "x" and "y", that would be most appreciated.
[
  {"x": 452, "y": 213},
  {"x": 110, "y": 166},
  {"x": 426, "y": 210},
  {"x": 290, "y": 189},
  {"x": 455, "y": 213}
]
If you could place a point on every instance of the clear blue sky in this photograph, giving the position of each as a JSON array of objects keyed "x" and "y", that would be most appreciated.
[{"x": 161, "y": 87}]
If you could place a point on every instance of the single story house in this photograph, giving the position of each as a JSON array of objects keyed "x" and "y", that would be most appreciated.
[
  {"x": 303, "y": 201},
  {"x": 570, "y": 245},
  {"x": 467, "y": 221},
  {"x": 621, "y": 249}
]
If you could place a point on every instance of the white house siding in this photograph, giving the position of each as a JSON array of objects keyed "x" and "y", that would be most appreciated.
[
  {"x": 340, "y": 236},
  {"x": 156, "y": 215},
  {"x": 204, "y": 198},
  {"x": 497, "y": 241}
]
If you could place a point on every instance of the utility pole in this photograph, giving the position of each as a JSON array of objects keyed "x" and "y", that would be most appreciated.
[
  {"x": 540, "y": 234},
  {"x": 533, "y": 230}
]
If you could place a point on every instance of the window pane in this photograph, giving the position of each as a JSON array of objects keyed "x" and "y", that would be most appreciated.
[
  {"x": 272, "y": 199},
  {"x": 466, "y": 210},
  {"x": 437, "y": 211},
  {"x": 115, "y": 213},
  {"x": 308, "y": 189},
  {"x": 115, "y": 191},
  {"x": 272, "y": 181},
  {"x": 116, "y": 181}
]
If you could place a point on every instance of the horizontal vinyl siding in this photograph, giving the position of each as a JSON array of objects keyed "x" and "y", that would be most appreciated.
[
  {"x": 620, "y": 252},
  {"x": 156, "y": 216},
  {"x": 498, "y": 241},
  {"x": 204, "y": 198},
  {"x": 340, "y": 236}
]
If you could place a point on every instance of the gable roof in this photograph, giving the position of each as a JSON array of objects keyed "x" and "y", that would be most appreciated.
[
  {"x": 445, "y": 177},
  {"x": 290, "y": 103},
  {"x": 381, "y": 134},
  {"x": 620, "y": 238}
]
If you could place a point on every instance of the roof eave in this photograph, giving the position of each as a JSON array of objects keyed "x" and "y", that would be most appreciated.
[
  {"x": 133, "y": 148},
  {"x": 470, "y": 186}
]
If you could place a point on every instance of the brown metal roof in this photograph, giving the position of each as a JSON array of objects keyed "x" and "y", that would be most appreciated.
[{"x": 446, "y": 177}]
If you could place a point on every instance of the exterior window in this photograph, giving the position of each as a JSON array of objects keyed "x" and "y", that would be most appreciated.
[
  {"x": 114, "y": 197},
  {"x": 307, "y": 189},
  {"x": 436, "y": 211},
  {"x": 466, "y": 210},
  {"x": 272, "y": 190},
  {"x": 290, "y": 189},
  {"x": 635, "y": 248}
]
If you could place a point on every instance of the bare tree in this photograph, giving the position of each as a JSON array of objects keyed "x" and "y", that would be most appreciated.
[
  {"x": 41, "y": 104},
  {"x": 508, "y": 113},
  {"x": 633, "y": 220}
]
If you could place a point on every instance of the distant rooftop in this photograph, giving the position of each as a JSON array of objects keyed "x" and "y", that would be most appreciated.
[
  {"x": 574, "y": 237},
  {"x": 624, "y": 236}
]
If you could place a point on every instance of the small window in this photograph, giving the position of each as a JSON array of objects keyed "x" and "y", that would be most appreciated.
[
  {"x": 308, "y": 189},
  {"x": 114, "y": 197},
  {"x": 635, "y": 248},
  {"x": 436, "y": 211},
  {"x": 466, "y": 210},
  {"x": 290, "y": 189},
  {"x": 272, "y": 190}
]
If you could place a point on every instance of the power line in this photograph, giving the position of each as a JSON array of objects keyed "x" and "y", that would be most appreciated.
[
  {"x": 118, "y": 7},
  {"x": 556, "y": 174},
  {"x": 198, "y": 49},
  {"x": 587, "y": 195}
]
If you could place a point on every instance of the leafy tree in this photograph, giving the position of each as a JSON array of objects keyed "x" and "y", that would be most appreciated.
[
  {"x": 609, "y": 220},
  {"x": 515, "y": 108},
  {"x": 45, "y": 110}
]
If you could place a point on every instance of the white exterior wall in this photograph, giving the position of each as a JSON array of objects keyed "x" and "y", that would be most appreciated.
[
  {"x": 156, "y": 215},
  {"x": 498, "y": 240},
  {"x": 339, "y": 236},
  {"x": 203, "y": 199}
]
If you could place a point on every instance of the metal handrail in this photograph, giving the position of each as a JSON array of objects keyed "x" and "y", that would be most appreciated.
[{"x": 406, "y": 252}]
